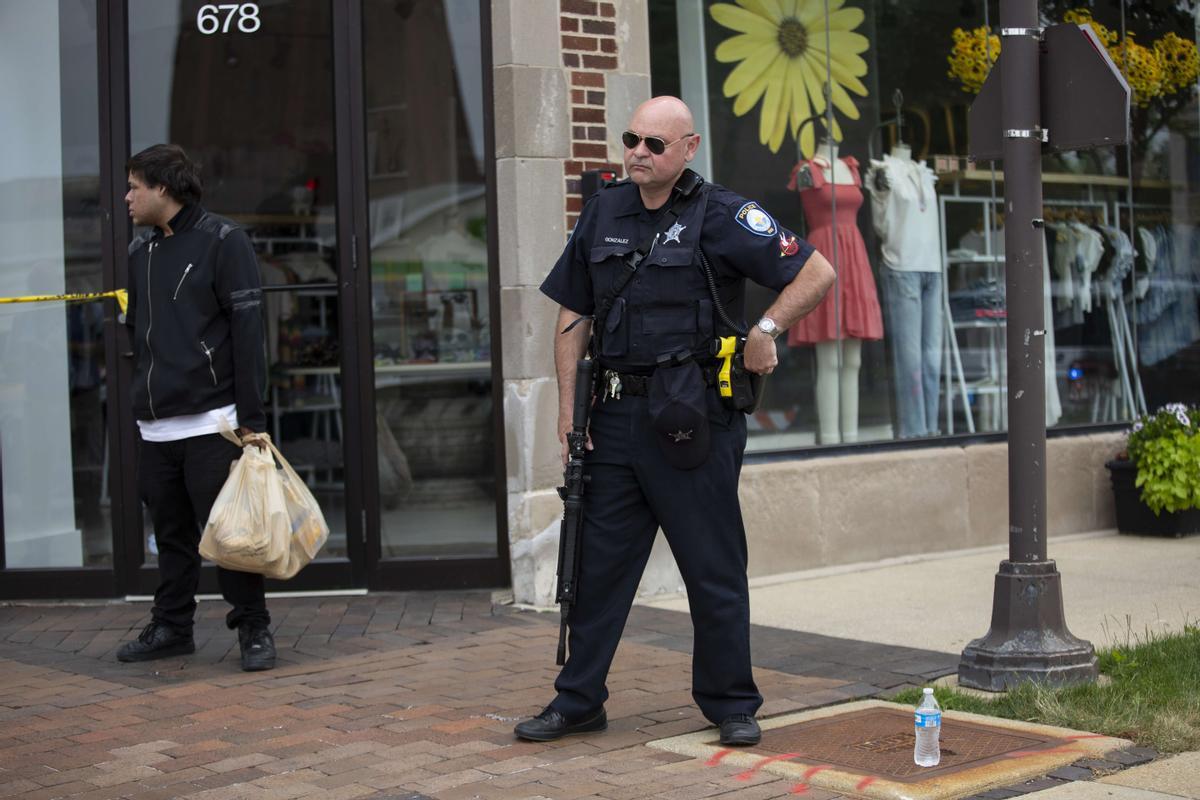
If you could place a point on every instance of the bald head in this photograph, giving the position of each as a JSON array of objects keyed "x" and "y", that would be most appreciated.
[
  {"x": 655, "y": 171},
  {"x": 665, "y": 116}
]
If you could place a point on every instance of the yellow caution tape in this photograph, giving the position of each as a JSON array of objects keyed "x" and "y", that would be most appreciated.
[{"x": 122, "y": 296}]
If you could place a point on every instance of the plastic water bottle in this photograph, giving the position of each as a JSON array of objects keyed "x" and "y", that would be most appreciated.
[{"x": 928, "y": 718}]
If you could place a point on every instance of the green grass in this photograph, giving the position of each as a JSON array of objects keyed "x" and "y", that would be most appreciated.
[{"x": 1153, "y": 697}]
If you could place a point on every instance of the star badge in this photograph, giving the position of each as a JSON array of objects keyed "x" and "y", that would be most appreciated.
[
  {"x": 681, "y": 435},
  {"x": 673, "y": 233}
]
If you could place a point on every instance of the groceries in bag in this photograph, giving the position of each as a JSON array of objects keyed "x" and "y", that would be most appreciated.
[{"x": 265, "y": 520}]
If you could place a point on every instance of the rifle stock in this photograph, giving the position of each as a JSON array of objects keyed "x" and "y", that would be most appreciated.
[{"x": 571, "y": 492}]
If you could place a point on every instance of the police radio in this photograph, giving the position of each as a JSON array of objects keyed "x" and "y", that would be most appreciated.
[{"x": 593, "y": 180}]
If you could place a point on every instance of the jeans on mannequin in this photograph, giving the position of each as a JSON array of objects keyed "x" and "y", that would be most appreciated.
[
  {"x": 912, "y": 307},
  {"x": 837, "y": 390}
]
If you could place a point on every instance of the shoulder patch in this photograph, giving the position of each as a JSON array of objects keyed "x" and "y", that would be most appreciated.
[{"x": 754, "y": 219}]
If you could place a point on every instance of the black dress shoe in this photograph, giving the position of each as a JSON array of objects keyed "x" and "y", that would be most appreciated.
[
  {"x": 740, "y": 730},
  {"x": 550, "y": 725},
  {"x": 157, "y": 640},
  {"x": 258, "y": 647}
]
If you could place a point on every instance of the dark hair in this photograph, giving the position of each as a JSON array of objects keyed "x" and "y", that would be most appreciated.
[{"x": 168, "y": 165}]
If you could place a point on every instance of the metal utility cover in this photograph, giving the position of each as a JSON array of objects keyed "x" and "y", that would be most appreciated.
[
  {"x": 865, "y": 749},
  {"x": 879, "y": 741},
  {"x": 1084, "y": 97}
]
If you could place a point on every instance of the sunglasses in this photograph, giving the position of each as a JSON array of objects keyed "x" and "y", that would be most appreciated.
[{"x": 654, "y": 144}]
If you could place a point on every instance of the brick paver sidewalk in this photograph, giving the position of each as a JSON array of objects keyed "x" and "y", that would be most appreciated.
[{"x": 385, "y": 696}]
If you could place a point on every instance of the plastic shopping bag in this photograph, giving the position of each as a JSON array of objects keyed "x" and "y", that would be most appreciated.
[
  {"x": 248, "y": 528},
  {"x": 265, "y": 520},
  {"x": 308, "y": 527}
]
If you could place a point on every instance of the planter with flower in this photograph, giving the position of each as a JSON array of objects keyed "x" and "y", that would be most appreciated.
[{"x": 1156, "y": 481}]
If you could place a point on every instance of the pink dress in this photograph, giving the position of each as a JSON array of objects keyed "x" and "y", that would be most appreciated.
[{"x": 855, "y": 286}]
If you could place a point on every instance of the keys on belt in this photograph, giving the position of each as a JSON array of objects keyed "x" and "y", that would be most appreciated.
[{"x": 614, "y": 384}]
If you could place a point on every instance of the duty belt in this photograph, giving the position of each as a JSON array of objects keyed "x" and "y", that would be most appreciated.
[{"x": 614, "y": 384}]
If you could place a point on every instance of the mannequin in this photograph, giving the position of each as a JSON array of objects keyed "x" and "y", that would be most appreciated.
[
  {"x": 849, "y": 313},
  {"x": 905, "y": 217}
]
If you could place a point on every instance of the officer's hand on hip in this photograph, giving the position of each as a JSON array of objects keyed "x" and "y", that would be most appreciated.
[
  {"x": 563, "y": 429},
  {"x": 760, "y": 356}
]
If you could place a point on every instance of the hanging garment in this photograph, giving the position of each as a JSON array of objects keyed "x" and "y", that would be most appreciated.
[
  {"x": 851, "y": 308},
  {"x": 1090, "y": 250},
  {"x": 1167, "y": 318}
]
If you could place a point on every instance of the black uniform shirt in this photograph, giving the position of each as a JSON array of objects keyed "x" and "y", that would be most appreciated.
[{"x": 740, "y": 239}]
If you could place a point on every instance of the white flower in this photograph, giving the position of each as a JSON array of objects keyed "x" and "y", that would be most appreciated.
[
  {"x": 1183, "y": 419},
  {"x": 1175, "y": 408},
  {"x": 1137, "y": 426}
]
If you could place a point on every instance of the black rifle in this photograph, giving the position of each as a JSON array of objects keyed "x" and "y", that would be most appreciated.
[{"x": 571, "y": 492}]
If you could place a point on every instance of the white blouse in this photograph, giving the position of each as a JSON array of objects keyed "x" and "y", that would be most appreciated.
[{"x": 905, "y": 214}]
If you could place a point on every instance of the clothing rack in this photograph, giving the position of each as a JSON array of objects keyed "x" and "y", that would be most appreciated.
[
  {"x": 954, "y": 380},
  {"x": 1124, "y": 351}
]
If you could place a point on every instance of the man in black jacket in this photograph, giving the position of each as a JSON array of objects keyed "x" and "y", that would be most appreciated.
[{"x": 195, "y": 314}]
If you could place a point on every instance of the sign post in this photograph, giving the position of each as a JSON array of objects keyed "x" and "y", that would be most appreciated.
[{"x": 1051, "y": 89}]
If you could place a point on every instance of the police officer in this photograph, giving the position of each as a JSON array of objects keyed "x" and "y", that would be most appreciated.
[{"x": 638, "y": 479}]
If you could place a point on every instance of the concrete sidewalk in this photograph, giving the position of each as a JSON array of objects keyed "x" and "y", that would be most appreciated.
[{"x": 1115, "y": 588}]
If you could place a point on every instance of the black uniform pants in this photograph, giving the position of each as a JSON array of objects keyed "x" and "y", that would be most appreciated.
[
  {"x": 632, "y": 492},
  {"x": 179, "y": 481}
]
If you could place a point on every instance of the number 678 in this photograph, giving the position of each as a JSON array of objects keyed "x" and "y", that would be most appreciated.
[{"x": 208, "y": 18}]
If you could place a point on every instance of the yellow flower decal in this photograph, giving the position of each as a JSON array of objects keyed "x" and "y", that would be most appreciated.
[
  {"x": 781, "y": 45},
  {"x": 972, "y": 57}
]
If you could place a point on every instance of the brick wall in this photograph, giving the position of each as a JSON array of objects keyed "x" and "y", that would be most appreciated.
[{"x": 589, "y": 52}]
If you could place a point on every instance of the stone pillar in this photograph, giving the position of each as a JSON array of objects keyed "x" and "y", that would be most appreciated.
[{"x": 568, "y": 75}]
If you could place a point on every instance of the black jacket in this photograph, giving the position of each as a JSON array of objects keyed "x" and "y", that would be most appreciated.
[{"x": 195, "y": 310}]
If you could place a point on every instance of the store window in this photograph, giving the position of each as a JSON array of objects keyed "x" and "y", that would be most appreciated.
[
  {"x": 54, "y": 448},
  {"x": 831, "y": 116},
  {"x": 429, "y": 278}
]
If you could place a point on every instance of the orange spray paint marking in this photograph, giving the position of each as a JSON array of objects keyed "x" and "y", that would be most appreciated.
[
  {"x": 716, "y": 758},
  {"x": 865, "y": 782},
  {"x": 748, "y": 774},
  {"x": 808, "y": 773},
  {"x": 800, "y": 788}
]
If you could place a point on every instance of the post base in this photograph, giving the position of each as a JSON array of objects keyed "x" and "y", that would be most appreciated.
[{"x": 1028, "y": 640}]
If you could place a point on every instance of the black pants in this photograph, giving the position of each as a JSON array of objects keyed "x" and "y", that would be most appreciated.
[
  {"x": 633, "y": 491},
  {"x": 179, "y": 482}
]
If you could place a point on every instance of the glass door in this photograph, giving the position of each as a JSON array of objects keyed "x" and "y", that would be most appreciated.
[
  {"x": 247, "y": 89},
  {"x": 431, "y": 303}
]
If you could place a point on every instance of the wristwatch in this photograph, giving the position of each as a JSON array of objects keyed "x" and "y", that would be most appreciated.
[{"x": 768, "y": 326}]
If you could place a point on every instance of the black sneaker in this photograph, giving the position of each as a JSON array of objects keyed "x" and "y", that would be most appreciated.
[
  {"x": 258, "y": 647},
  {"x": 550, "y": 725},
  {"x": 740, "y": 730},
  {"x": 157, "y": 640}
]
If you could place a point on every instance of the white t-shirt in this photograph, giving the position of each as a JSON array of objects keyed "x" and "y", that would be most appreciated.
[
  {"x": 172, "y": 429},
  {"x": 905, "y": 214}
]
